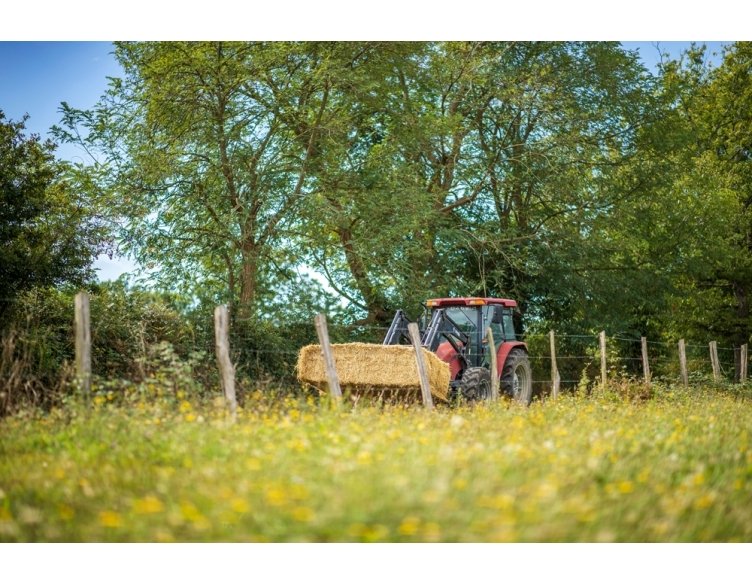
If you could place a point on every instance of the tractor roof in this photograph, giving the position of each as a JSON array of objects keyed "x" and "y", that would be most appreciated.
[{"x": 441, "y": 302}]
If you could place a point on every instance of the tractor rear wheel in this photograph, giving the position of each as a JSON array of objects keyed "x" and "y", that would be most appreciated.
[
  {"x": 517, "y": 378},
  {"x": 476, "y": 384}
]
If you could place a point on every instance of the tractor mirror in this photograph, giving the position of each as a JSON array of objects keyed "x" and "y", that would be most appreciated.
[{"x": 498, "y": 315}]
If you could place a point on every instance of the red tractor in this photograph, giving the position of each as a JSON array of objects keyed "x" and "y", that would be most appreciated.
[{"x": 455, "y": 330}]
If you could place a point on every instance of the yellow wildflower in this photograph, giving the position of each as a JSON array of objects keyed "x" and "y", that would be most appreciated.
[
  {"x": 459, "y": 484},
  {"x": 148, "y": 505},
  {"x": 275, "y": 497},
  {"x": 239, "y": 505},
  {"x": 66, "y": 512},
  {"x": 356, "y": 530},
  {"x": 364, "y": 457},
  {"x": 302, "y": 514},
  {"x": 110, "y": 519},
  {"x": 705, "y": 501},
  {"x": 375, "y": 533},
  {"x": 409, "y": 525},
  {"x": 299, "y": 492},
  {"x": 189, "y": 511},
  {"x": 625, "y": 487}
]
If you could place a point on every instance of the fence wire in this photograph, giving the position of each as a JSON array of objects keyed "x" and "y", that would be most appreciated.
[{"x": 262, "y": 349}]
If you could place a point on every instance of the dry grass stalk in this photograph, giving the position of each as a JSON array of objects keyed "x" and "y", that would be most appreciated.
[
  {"x": 17, "y": 383},
  {"x": 364, "y": 367},
  {"x": 23, "y": 381}
]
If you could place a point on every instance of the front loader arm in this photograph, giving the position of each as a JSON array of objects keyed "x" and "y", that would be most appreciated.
[
  {"x": 398, "y": 329},
  {"x": 442, "y": 325}
]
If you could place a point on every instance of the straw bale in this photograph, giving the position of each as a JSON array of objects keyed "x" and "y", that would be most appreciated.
[{"x": 369, "y": 366}]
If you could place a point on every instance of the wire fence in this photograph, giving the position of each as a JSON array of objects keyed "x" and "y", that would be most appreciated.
[
  {"x": 578, "y": 355},
  {"x": 262, "y": 350}
]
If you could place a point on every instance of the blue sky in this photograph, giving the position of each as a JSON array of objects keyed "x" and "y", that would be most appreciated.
[
  {"x": 650, "y": 51},
  {"x": 35, "y": 77}
]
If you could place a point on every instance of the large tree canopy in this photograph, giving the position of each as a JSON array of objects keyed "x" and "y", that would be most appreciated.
[
  {"x": 565, "y": 175},
  {"x": 457, "y": 168}
]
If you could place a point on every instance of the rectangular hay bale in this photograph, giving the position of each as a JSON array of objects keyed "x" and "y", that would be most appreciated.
[{"x": 364, "y": 366}]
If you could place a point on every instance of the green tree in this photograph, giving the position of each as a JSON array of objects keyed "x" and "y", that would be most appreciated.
[
  {"x": 194, "y": 164},
  {"x": 548, "y": 172},
  {"x": 713, "y": 295},
  {"x": 48, "y": 233},
  {"x": 459, "y": 168}
]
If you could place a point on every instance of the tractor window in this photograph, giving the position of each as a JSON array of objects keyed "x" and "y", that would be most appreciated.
[
  {"x": 488, "y": 321},
  {"x": 509, "y": 326},
  {"x": 466, "y": 318}
]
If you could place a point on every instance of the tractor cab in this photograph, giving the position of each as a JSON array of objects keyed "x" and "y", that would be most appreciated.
[
  {"x": 456, "y": 330},
  {"x": 475, "y": 315}
]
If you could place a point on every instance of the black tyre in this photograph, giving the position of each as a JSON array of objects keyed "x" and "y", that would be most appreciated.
[
  {"x": 517, "y": 378},
  {"x": 476, "y": 384}
]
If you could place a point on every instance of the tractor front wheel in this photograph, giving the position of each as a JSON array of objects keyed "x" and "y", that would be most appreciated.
[
  {"x": 476, "y": 384},
  {"x": 517, "y": 378}
]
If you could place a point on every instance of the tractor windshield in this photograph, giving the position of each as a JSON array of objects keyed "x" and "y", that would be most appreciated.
[
  {"x": 466, "y": 318},
  {"x": 473, "y": 322}
]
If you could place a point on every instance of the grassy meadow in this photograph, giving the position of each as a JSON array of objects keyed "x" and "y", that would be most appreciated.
[{"x": 677, "y": 467}]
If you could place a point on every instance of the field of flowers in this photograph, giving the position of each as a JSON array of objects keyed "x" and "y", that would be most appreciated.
[{"x": 677, "y": 467}]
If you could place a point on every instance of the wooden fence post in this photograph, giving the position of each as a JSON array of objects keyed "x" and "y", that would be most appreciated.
[
  {"x": 714, "y": 361},
  {"x": 602, "y": 338},
  {"x": 555, "y": 377},
  {"x": 737, "y": 364},
  {"x": 743, "y": 374},
  {"x": 83, "y": 343},
  {"x": 326, "y": 352},
  {"x": 494, "y": 365},
  {"x": 645, "y": 363},
  {"x": 683, "y": 363},
  {"x": 222, "y": 347},
  {"x": 425, "y": 387}
]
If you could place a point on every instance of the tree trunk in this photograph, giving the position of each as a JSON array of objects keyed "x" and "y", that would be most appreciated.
[
  {"x": 374, "y": 299},
  {"x": 231, "y": 302},
  {"x": 248, "y": 280},
  {"x": 742, "y": 313}
]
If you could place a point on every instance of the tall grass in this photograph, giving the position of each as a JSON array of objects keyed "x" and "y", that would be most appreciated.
[{"x": 142, "y": 467}]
